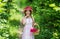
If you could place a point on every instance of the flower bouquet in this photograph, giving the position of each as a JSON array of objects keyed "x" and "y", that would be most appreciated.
[{"x": 35, "y": 30}]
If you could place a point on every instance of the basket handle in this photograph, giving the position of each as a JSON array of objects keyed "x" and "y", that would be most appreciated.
[{"x": 38, "y": 26}]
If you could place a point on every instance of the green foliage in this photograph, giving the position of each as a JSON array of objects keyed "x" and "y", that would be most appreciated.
[{"x": 45, "y": 12}]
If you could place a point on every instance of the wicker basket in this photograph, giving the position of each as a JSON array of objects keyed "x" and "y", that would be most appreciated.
[{"x": 36, "y": 32}]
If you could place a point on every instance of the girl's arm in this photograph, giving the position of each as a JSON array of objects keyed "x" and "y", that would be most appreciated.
[
  {"x": 34, "y": 23},
  {"x": 23, "y": 21}
]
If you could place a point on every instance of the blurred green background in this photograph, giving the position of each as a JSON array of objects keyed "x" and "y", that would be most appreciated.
[{"x": 45, "y": 12}]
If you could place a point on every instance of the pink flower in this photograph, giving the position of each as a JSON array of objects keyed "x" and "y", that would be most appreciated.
[{"x": 33, "y": 30}]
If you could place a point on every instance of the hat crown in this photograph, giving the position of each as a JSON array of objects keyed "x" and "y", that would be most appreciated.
[{"x": 28, "y": 8}]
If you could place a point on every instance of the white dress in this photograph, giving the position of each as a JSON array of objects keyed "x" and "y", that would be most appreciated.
[{"x": 26, "y": 30}]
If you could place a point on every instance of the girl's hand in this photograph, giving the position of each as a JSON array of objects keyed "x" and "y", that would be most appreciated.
[
  {"x": 35, "y": 24},
  {"x": 26, "y": 16}
]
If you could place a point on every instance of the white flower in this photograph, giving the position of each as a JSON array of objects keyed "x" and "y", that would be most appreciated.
[
  {"x": 5, "y": 0},
  {"x": 7, "y": 35},
  {"x": 1, "y": 27}
]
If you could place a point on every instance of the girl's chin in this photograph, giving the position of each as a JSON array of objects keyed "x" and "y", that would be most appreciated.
[{"x": 28, "y": 15}]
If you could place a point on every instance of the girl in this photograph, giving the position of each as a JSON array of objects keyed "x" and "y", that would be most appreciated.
[{"x": 28, "y": 23}]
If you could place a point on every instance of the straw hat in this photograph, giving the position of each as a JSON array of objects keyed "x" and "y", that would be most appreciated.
[{"x": 28, "y": 8}]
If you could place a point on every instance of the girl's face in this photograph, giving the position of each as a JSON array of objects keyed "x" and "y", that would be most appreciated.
[{"x": 28, "y": 13}]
